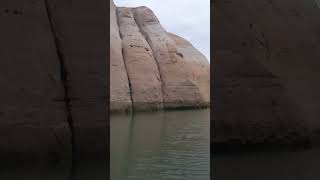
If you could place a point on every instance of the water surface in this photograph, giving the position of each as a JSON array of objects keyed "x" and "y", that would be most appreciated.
[
  {"x": 295, "y": 165},
  {"x": 164, "y": 145}
]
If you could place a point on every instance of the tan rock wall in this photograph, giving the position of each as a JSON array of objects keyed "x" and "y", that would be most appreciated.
[
  {"x": 120, "y": 97},
  {"x": 141, "y": 66},
  {"x": 164, "y": 71}
]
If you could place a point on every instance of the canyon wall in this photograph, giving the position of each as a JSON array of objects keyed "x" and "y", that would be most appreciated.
[
  {"x": 266, "y": 69},
  {"x": 152, "y": 69},
  {"x": 53, "y": 76}
]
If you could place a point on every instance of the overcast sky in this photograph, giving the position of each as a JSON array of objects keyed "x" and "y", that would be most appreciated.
[{"x": 189, "y": 19}]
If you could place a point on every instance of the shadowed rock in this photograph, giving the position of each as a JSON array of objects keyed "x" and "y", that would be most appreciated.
[
  {"x": 53, "y": 72},
  {"x": 279, "y": 38},
  {"x": 79, "y": 28},
  {"x": 33, "y": 116}
]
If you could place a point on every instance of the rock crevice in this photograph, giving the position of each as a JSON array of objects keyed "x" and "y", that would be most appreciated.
[{"x": 63, "y": 75}]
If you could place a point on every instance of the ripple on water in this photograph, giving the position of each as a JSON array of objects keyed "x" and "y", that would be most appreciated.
[{"x": 162, "y": 145}]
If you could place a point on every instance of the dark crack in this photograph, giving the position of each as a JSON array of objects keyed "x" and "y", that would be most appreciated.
[
  {"x": 263, "y": 42},
  {"x": 64, "y": 79}
]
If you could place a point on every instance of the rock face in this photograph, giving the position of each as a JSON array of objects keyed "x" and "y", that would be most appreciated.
[
  {"x": 164, "y": 70},
  {"x": 78, "y": 28},
  {"x": 198, "y": 65},
  {"x": 53, "y": 72},
  {"x": 265, "y": 71},
  {"x": 33, "y": 114},
  {"x": 138, "y": 57},
  {"x": 120, "y": 98}
]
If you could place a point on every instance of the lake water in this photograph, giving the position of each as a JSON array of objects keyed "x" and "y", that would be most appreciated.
[
  {"x": 87, "y": 171},
  {"x": 299, "y": 165},
  {"x": 166, "y": 145}
]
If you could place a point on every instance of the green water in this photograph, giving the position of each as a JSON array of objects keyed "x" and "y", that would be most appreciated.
[{"x": 164, "y": 145}]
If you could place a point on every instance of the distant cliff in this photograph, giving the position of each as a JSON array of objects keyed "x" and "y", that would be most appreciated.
[{"x": 151, "y": 69}]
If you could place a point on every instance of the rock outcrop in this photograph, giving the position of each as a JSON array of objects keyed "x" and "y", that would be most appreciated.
[
  {"x": 53, "y": 76},
  {"x": 266, "y": 65},
  {"x": 33, "y": 112},
  {"x": 120, "y": 98},
  {"x": 138, "y": 57},
  {"x": 81, "y": 47},
  {"x": 164, "y": 71}
]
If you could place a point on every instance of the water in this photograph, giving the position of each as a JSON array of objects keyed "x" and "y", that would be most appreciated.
[
  {"x": 166, "y": 145},
  {"x": 89, "y": 171},
  {"x": 299, "y": 165}
]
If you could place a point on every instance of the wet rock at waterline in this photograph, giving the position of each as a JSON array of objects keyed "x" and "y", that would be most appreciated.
[
  {"x": 163, "y": 70},
  {"x": 265, "y": 71}
]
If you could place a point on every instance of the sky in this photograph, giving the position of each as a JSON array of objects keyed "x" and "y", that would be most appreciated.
[{"x": 189, "y": 19}]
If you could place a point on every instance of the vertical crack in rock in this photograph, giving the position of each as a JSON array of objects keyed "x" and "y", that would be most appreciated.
[
  {"x": 154, "y": 55},
  {"x": 64, "y": 79},
  {"x": 129, "y": 82},
  {"x": 125, "y": 66},
  {"x": 263, "y": 41}
]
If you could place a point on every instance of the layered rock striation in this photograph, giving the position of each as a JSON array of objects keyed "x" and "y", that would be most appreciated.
[{"x": 153, "y": 69}]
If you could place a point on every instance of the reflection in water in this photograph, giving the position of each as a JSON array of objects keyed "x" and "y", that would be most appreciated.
[
  {"x": 299, "y": 165},
  {"x": 160, "y": 145}
]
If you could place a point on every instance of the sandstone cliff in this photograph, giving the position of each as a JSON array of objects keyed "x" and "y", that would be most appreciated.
[
  {"x": 150, "y": 68},
  {"x": 53, "y": 77},
  {"x": 266, "y": 69}
]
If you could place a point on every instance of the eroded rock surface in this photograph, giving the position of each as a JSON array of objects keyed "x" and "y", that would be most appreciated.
[
  {"x": 120, "y": 97},
  {"x": 146, "y": 86},
  {"x": 164, "y": 70},
  {"x": 198, "y": 64}
]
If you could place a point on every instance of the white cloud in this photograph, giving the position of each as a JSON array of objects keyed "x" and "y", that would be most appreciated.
[{"x": 187, "y": 18}]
